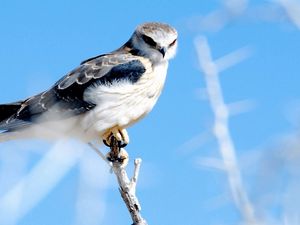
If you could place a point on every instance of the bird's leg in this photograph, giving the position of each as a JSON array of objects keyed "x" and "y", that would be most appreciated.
[
  {"x": 116, "y": 139},
  {"x": 117, "y": 153},
  {"x": 120, "y": 135}
]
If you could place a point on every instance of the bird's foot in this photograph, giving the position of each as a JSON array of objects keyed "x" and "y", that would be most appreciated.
[
  {"x": 122, "y": 157},
  {"x": 116, "y": 139},
  {"x": 119, "y": 134}
]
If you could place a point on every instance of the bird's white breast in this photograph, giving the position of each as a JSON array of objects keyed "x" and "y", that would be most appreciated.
[{"x": 123, "y": 103}]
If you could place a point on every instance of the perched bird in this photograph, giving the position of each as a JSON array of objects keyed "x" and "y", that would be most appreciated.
[{"x": 102, "y": 96}]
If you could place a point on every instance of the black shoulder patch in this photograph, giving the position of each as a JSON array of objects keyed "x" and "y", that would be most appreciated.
[{"x": 131, "y": 71}]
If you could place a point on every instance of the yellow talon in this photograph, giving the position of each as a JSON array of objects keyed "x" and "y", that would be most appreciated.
[{"x": 119, "y": 133}]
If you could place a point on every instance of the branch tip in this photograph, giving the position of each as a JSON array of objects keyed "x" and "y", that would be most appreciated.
[{"x": 118, "y": 161}]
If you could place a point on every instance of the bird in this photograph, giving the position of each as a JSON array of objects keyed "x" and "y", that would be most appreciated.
[{"x": 102, "y": 96}]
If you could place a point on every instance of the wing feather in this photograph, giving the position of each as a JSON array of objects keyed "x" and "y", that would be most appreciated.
[{"x": 66, "y": 97}]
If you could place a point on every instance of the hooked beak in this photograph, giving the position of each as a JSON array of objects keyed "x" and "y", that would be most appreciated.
[{"x": 163, "y": 51}]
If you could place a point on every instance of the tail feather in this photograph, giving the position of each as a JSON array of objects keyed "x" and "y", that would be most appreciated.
[
  {"x": 8, "y": 110},
  {"x": 8, "y": 113}
]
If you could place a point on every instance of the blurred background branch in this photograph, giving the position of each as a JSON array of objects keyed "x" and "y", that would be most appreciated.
[{"x": 222, "y": 133}]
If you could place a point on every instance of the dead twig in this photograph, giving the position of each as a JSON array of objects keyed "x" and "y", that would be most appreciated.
[{"x": 117, "y": 159}]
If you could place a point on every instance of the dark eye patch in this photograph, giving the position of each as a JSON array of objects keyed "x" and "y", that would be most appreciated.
[
  {"x": 149, "y": 40},
  {"x": 173, "y": 43}
]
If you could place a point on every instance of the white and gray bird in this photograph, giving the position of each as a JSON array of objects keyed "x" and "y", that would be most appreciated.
[{"x": 102, "y": 96}]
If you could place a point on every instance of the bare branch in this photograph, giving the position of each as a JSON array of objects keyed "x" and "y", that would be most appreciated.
[
  {"x": 137, "y": 166},
  {"x": 127, "y": 187}
]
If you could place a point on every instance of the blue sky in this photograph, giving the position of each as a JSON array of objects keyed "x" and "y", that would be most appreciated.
[{"x": 42, "y": 41}]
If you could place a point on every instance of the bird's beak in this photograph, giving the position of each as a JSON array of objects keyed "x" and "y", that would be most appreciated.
[{"x": 163, "y": 51}]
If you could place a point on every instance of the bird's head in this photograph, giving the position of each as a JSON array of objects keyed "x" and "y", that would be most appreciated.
[{"x": 157, "y": 41}]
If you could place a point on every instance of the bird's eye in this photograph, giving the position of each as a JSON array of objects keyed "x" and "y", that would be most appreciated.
[
  {"x": 149, "y": 40},
  {"x": 173, "y": 43}
]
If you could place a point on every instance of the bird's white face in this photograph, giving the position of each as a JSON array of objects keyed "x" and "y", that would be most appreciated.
[{"x": 156, "y": 41}]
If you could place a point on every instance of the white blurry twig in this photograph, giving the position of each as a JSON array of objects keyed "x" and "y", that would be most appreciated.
[
  {"x": 90, "y": 203},
  {"x": 99, "y": 153},
  {"x": 292, "y": 8},
  {"x": 222, "y": 133},
  {"x": 233, "y": 58},
  {"x": 235, "y": 6},
  {"x": 218, "y": 19},
  {"x": 31, "y": 189},
  {"x": 277, "y": 11}
]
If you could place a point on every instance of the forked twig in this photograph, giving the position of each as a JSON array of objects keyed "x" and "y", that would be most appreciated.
[{"x": 127, "y": 187}]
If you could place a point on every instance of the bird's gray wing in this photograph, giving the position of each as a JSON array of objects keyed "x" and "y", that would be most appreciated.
[
  {"x": 66, "y": 97},
  {"x": 108, "y": 68}
]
